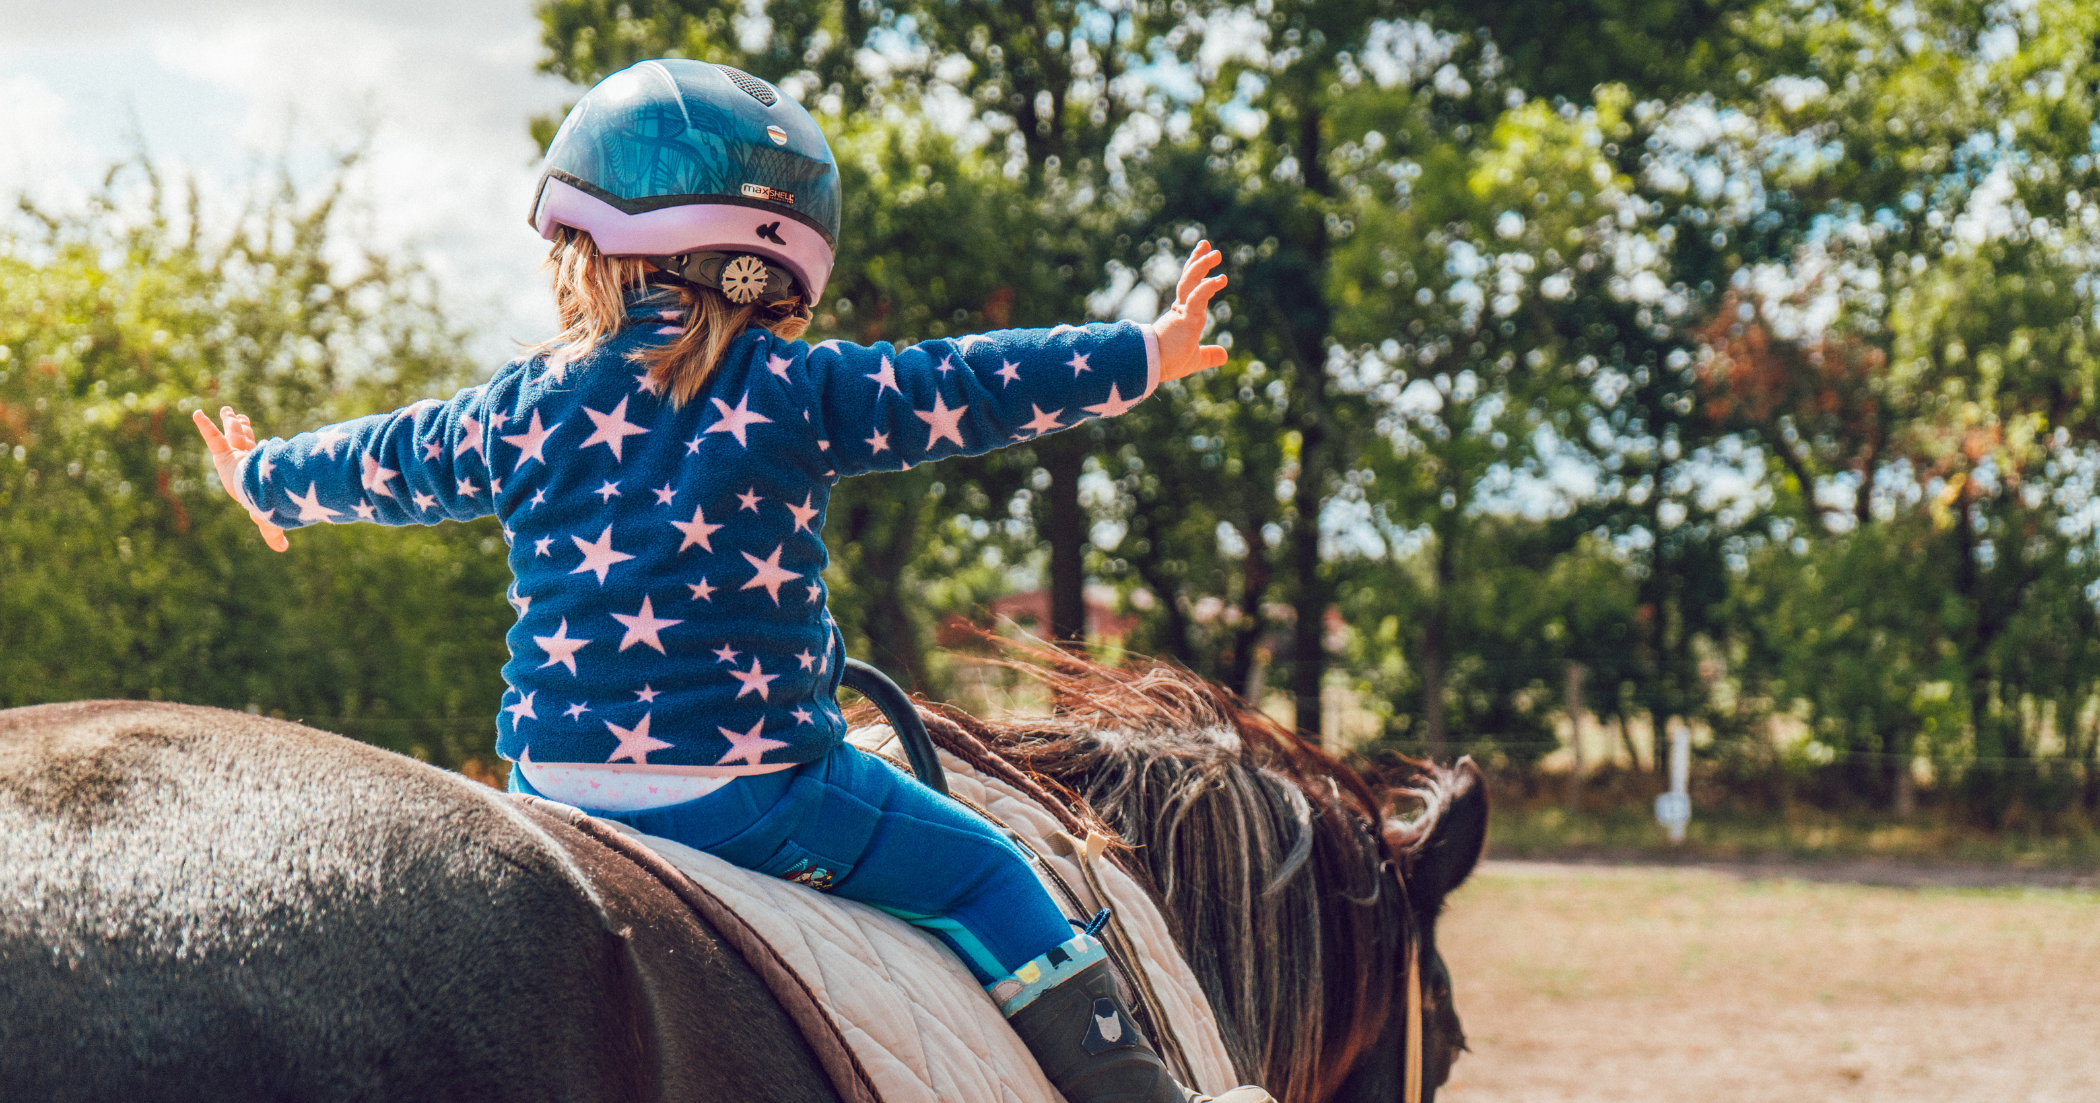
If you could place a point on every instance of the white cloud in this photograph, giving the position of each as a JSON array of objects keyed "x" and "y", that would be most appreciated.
[
  {"x": 437, "y": 96},
  {"x": 39, "y": 155}
]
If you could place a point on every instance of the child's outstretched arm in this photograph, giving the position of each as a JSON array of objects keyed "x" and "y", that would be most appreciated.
[
  {"x": 422, "y": 464},
  {"x": 886, "y": 408}
]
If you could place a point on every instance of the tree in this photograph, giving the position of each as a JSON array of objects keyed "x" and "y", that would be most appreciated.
[{"x": 125, "y": 572}]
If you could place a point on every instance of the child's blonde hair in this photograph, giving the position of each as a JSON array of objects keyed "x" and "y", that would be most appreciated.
[{"x": 589, "y": 298}]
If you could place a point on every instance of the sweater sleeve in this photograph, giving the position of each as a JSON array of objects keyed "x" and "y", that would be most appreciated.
[
  {"x": 885, "y": 409},
  {"x": 424, "y": 463}
]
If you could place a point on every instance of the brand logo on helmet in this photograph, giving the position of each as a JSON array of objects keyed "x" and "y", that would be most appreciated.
[
  {"x": 760, "y": 191},
  {"x": 770, "y": 231},
  {"x": 779, "y": 136}
]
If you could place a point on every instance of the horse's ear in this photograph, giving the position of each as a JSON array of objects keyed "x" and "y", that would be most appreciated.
[{"x": 1443, "y": 861}]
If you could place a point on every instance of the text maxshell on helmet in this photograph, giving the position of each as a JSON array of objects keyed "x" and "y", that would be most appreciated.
[{"x": 760, "y": 191}]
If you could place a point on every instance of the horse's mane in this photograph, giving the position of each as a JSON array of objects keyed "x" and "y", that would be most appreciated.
[{"x": 1269, "y": 855}]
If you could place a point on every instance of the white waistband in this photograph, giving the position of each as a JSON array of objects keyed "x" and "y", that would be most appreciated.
[{"x": 605, "y": 789}]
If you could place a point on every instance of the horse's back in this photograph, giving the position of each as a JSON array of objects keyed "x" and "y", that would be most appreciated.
[{"x": 205, "y": 904}]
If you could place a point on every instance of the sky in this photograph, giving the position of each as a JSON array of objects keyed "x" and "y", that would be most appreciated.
[{"x": 438, "y": 94}]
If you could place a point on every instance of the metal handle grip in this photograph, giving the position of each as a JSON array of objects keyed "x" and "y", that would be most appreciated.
[{"x": 904, "y": 720}]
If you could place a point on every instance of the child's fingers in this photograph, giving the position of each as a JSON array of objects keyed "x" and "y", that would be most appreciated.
[
  {"x": 214, "y": 441},
  {"x": 1211, "y": 356},
  {"x": 1199, "y": 264},
  {"x": 271, "y": 534},
  {"x": 243, "y": 434},
  {"x": 1198, "y": 299},
  {"x": 1200, "y": 258}
]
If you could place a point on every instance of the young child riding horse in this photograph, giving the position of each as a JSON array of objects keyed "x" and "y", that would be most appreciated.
[{"x": 661, "y": 468}]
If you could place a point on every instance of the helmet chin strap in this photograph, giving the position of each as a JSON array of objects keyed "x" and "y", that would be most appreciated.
[{"x": 741, "y": 277}]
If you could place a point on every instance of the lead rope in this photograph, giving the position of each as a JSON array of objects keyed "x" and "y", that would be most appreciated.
[{"x": 1414, "y": 1020}]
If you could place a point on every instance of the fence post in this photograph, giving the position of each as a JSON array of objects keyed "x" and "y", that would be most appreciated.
[{"x": 1674, "y": 808}]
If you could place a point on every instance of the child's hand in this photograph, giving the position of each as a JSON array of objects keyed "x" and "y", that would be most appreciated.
[
  {"x": 1180, "y": 330},
  {"x": 227, "y": 450}
]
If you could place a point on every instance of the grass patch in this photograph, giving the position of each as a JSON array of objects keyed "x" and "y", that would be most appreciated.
[{"x": 1724, "y": 834}]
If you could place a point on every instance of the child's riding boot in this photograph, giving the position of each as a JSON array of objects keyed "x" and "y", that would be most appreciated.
[{"x": 1066, "y": 1008}]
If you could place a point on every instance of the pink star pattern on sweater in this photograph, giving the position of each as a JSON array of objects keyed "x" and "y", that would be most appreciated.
[
  {"x": 643, "y": 626},
  {"x": 532, "y": 442},
  {"x": 329, "y": 438},
  {"x": 885, "y": 378},
  {"x": 598, "y": 555},
  {"x": 469, "y": 435},
  {"x": 1116, "y": 405},
  {"x": 696, "y": 530},
  {"x": 374, "y": 477},
  {"x": 770, "y": 574},
  {"x": 560, "y": 648},
  {"x": 942, "y": 423},
  {"x": 635, "y": 742},
  {"x": 754, "y": 680},
  {"x": 804, "y": 514},
  {"x": 1043, "y": 422},
  {"x": 612, "y": 430},
  {"x": 310, "y": 507},
  {"x": 748, "y": 747},
  {"x": 736, "y": 421}
]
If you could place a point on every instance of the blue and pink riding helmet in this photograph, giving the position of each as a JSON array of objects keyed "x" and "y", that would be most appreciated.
[{"x": 713, "y": 174}]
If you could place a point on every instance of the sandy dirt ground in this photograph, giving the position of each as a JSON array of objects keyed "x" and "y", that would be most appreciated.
[{"x": 1581, "y": 983}]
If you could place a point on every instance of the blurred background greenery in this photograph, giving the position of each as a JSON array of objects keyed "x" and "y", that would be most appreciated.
[{"x": 1596, "y": 364}]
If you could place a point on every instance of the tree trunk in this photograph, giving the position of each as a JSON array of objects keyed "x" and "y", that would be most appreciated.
[
  {"x": 894, "y": 643},
  {"x": 1906, "y": 802},
  {"x": 1433, "y": 681},
  {"x": 1576, "y": 673},
  {"x": 1064, "y": 457},
  {"x": 1633, "y": 752},
  {"x": 1174, "y": 618},
  {"x": 1436, "y": 650},
  {"x": 1307, "y": 337},
  {"x": 1309, "y": 630},
  {"x": 1254, "y": 586}
]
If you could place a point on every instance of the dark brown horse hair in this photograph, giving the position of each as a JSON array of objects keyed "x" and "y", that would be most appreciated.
[{"x": 1269, "y": 855}]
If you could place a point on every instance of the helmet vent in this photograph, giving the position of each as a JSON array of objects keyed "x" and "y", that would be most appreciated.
[{"x": 757, "y": 89}]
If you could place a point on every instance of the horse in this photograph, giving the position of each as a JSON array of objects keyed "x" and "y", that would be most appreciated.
[
  {"x": 1294, "y": 891},
  {"x": 203, "y": 904}
]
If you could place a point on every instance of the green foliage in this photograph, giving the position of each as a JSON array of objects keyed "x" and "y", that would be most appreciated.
[
  {"x": 124, "y": 569},
  {"x": 1740, "y": 352}
]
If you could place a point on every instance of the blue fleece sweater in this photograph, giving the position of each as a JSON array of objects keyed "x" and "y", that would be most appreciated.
[{"x": 669, "y": 562}]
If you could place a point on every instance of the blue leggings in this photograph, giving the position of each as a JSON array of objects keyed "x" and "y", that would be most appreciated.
[{"x": 852, "y": 824}]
